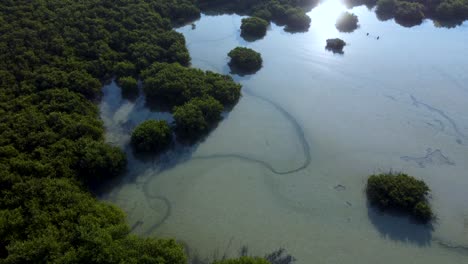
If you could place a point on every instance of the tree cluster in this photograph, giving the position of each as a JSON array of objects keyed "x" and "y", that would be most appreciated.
[
  {"x": 195, "y": 97},
  {"x": 291, "y": 13},
  {"x": 245, "y": 60},
  {"x": 254, "y": 27},
  {"x": 411, "y": 13},
  {"x": 151, "y": 136},
  {"x": 54, "y": 55},
  {"x": 347, "y": 22},
  {"x": 400, "y": 192},
  {"x": 335, "y": 45}
]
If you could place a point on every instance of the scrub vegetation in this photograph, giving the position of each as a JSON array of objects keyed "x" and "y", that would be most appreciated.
[
  {"x": 253, "y": 27},
  {"x": 291, "y": 13},
  {"x": 410, "y": 13},
  {"x": 335, "y": 45},
  {"x": 54, "y": 57},
  {"x": 400, "y": 192},
  {"x": 245, "y": 60},
  {"x": 347, "y": 22}
]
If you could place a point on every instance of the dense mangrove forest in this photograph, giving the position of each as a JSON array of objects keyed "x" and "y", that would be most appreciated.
[{"x": 55, "y": 57}]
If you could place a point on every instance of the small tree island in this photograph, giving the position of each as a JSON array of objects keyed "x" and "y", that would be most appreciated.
[
  {"x": 151, "y": 136},
  {"x": 347, "y": 22},
  {"x": 253, "y": 27},
  {"x": 400, "y": 192},
  {"x": 245, "y": 60},
  {"x": 335, "y": 45},
  {"x": 194, "y": 118}
]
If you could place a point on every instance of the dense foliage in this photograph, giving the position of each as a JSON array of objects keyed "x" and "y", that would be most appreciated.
[
  {"x": 195, "y": 117},
  {"x": 245, "y": 59},
  {"x": 410, "y": 13},
  {"x": 400, "y": 192},
  {"x": 45, "y": 220},
  {"x": 347, "y": 22},
  {"x": 243, "y": 260},
  {"x": 53, "y": 56},
  {"x": 253, "y": 27},
  {"x": 291, "y": 13},
  {"x": 335, "y": 45},
  {"x": 128, "y": 84},
  {"x": 173, "y": 84},
  {"x": 151, "y": 136}
]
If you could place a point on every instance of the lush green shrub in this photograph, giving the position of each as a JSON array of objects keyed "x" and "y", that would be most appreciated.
[
  {"x": 400, "y": 192},
  {"x": 386, "y": 8},
  {"x": 173, "y": 84},
  {"x": 151, "y": 136},
  {"x": 245, "y": 59},
  {"x": 210, "y": 107},
  {"x": 98, "y": 161},
  {"x": 129, "y": 85},
  {"x": 254, "y": 27},
  {"x": 296, "y": 19},
  {"x": 243, "y": 260},
  {"x": 452, "y": 10},
  {"x": 347, "y": 22},
  {"x": 189, "y": 120},
  {"x": 336, "y": 45},
  {"x": 47, "y": 220},
  {"x": 409, "y": 13}
]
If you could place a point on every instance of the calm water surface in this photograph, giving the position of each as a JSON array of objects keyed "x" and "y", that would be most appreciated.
[{"x": 287, "y": 167}]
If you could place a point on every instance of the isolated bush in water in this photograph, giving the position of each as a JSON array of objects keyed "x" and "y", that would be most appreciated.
[
  {"x": 347, "y": 22},
  {"x": 400, "y": 192},
  {"x": 245, "y": 59},
  {"x": 151, "y": 136}
]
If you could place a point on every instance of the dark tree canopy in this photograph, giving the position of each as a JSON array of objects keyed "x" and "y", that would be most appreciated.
[
  {"x": 54, "y": 56},
  {"x": 173, "y": 84},
  {"x": 335, "y": 45},
  {"x": 245, "y": 59},
  {"x": 400, "y": 192},
  {"x": 410, "y": 13},
  {"x": 291, "y": 13},
  {"x": 254, "y": 27},
  {"x": 347, "y": 22},
  {"x": 151, "y": 136},
  {"x": 129, "y": 85},
  {"x": 54, "y": 221}
]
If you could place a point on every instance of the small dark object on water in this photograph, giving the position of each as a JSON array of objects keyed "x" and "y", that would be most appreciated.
[
  {"x": 378, "y": 37},
  {"x": 193, "y": 26},
  {"x": 367, "y": 34}
]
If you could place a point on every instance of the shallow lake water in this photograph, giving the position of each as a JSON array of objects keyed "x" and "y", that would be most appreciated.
[{"x": 287, "y": 167}]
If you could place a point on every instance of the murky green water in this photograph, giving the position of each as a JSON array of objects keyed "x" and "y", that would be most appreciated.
[{"x": 287, "y": 167}]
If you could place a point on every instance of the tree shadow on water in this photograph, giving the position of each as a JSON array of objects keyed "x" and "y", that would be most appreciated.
[{"x": 399, "y": 227}]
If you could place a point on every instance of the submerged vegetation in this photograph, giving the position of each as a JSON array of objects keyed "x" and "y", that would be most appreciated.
[
  {"x": 347, "y": 22},
  {"x": 335, "y": 45},
  {"x": 253, "y": 27},
  {"x": 400, "y": 192},
  {"x": 245, "y": 60}
]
